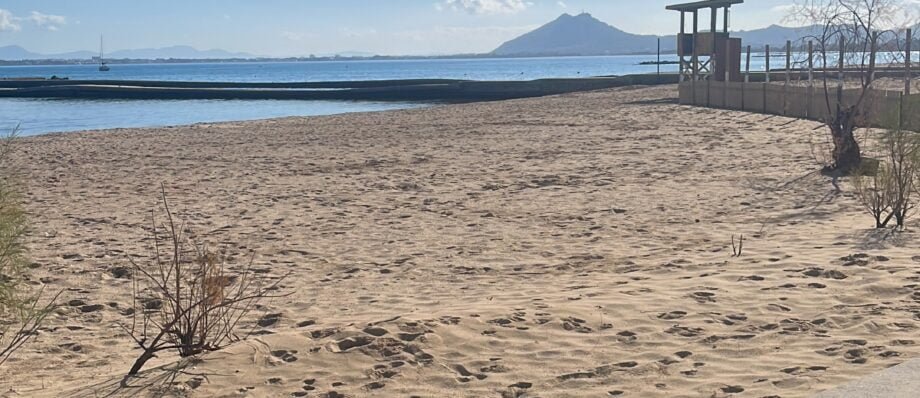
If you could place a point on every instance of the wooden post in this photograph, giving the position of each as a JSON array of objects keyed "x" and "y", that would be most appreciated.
[
  {"x": 767, "y": 79},
  {"x": 788, "y": 61},
  {"x": 811, "y": 63},
  {"x": 873, "y": 53},
  {"x": 680, "y": 38},
  {"x": 713, "y": 24},
  {"x": 713, "y": 59},
  {"x": 840, "y": 68},
  {"x": 788, "y": 77},
  {"x": 695, "y": 63},
  {"x": 747, "y": 76},
  {"x": 728, "y": 76},
  {"x": 811, "y": 79},
  {"x": 747, "y": 67},
  {"x": 907, "y": 60},
  {"x": 768, "y": 63},
  {"x": 840, "y": 61}
]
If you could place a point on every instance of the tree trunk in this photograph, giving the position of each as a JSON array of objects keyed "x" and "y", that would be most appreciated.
[
  {"x": 847, "y": 156},
  {"x": 139, "y": 364}
]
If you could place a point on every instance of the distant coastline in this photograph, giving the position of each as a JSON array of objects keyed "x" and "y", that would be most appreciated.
[{"x": 51, "y": 62}]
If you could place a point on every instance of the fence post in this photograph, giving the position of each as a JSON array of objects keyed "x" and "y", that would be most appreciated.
[
  {"x": 907, "y": 60},
  {"x": 811, "y": 63},
  {"x": 767, "y": 79},
  {"x": 811, "y": 81},
  {"x": 788, "y": 77},
  {"x": 840, "y": 68},
  {"x": 695, "y": 61},
  {"x": 747, "y": 78},
  {"x": 768, "y": 63},
  {"x": 747, "y": 68},
  {"x": 788, "y": 60}
]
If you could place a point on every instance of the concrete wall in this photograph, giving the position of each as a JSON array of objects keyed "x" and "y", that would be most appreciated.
[
  {"x": 392, "y": 90},
  {"x": 753, "y": 97},
  {"x": 775, "y": 99},
  {"x": 886, "y": 109}
]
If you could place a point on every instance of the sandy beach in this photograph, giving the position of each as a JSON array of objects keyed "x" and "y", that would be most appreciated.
[{"x": 566, "y": 246}]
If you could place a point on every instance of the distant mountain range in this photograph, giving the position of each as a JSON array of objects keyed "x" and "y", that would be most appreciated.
[
  {"x": 568, "y": 35},
  {"x": 585, "y": 35},
  {"x": 16, "y": 53}
]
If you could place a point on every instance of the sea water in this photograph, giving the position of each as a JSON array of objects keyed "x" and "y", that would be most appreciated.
[{"x": 38, "y": 116}]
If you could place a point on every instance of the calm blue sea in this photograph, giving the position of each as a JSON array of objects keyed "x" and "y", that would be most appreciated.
[
  {"x": 471, "y": 69},
  {"x": 44, "y": 116}
]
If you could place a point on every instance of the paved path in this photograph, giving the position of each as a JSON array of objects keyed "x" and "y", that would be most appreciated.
[{"x": 902, "y": 381}]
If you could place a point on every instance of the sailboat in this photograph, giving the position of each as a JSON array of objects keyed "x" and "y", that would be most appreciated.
[{"x": 102, "y": 66}]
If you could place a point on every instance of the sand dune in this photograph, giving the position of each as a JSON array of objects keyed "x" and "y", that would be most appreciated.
[{"x": 568, "y": 246}]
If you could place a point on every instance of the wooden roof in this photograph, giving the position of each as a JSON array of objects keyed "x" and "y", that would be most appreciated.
[{"x": 689, "y": 7}]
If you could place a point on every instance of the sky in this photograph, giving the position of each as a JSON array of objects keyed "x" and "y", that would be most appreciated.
[{"x": 303, "y": 27}]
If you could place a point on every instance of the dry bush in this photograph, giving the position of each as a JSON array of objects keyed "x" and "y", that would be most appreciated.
[
  {"x": 889, "y": 192},
  {"x": 21, "y": 315},
  {"x": 189, "y": 299}
]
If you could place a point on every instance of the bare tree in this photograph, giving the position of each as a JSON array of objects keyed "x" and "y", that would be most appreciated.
[
  {"x": 849, "y": 35},
  {"x": 189, "y": 300}
]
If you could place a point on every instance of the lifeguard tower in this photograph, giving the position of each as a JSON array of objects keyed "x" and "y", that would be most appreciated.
[{"x": 711, "y": 55}]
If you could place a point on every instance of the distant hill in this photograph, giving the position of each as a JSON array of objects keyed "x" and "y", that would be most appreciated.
[
  {"x": 774, "y": 35},
  {"x": 585, "y": 35},
  {"x": 577, "y": 35},
  {"x": 17, "y": 53}
]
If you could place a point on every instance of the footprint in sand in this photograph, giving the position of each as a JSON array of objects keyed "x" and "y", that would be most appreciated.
[
  {"x": 285, "y": 355},
  {"x": 672, "y": 315},
  {"x": 465, "y": 376},
  {"x": 576, "y": 325},
  {"x": 704, "y": 297}
]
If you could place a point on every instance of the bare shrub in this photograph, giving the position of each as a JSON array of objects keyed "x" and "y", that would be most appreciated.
[
  {"x": 873, "y": 190},
  {"x": 889, "y": 192},
  {"x": 189, "y": 299},
  {"x": 21, "y": 315}
]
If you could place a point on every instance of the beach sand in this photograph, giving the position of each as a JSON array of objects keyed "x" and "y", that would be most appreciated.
[{"x": 567, "y": 246}]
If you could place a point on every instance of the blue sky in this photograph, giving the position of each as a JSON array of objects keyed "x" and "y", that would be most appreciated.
[{"x": 302, "y": 27}]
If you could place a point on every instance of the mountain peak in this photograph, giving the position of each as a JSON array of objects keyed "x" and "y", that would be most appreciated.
[
  {"x": 584, "y": 34},
  {"x": 581, "y": 34}
]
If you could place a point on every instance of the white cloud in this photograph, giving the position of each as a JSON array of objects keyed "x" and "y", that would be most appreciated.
[
  {"x": 562, "y": 4},
  {"x": 47, "y": 21},
  {"x": 8, "y": 22},
  {"x": 455, "y": 39},
  {"x": 485, "y": 7},
  {"x": 12, "y": 23},
  {"x": 784, "y": 9}
]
